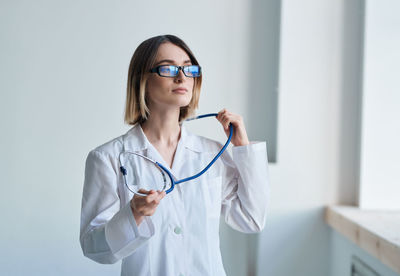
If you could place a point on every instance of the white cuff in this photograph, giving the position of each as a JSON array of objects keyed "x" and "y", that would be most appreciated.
[
  {"x": 250, "y": 148},
  {"x": 124, "y": 236}
]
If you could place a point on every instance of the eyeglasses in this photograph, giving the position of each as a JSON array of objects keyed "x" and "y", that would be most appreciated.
[{"x": 192, "y": 71}]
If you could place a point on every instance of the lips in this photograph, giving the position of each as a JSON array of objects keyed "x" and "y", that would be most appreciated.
[{"x": 180, "y": 90}]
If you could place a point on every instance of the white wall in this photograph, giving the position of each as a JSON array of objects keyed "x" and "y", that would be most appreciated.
[
  {"x": 63, "y": 74},
  {"x": 380, "y": 153}
]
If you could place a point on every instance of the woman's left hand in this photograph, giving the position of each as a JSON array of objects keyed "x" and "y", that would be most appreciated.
[{"x": 239, "y": 137}]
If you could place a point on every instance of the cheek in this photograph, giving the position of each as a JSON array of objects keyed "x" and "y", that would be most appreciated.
[
  {"x": 191, "y": 85},
  {"x": 189, "y": 97},
  {"x": 155, "y": 84}
]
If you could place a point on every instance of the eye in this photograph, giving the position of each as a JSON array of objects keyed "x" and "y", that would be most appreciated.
[
  {"x": 193, "y": 70},
  {"x": 165, "y": 69}
]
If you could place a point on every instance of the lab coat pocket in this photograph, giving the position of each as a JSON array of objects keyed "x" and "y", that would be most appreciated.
[{"x": 212, "y": 196}]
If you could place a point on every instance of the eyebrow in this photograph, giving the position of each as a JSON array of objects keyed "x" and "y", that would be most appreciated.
[{"x": 171, "y": 61}]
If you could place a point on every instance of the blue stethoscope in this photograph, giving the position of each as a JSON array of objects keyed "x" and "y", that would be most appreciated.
[{"x": 169, "y": 174}]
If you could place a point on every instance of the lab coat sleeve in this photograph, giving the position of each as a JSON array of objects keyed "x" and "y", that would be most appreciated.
[
  {"x": 108, "y": 230},
  {"x": 245, "y": 193}
]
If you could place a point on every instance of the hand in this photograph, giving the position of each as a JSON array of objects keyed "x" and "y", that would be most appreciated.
[
  {"x": 145, "y": 205},
  {"x": 239, "y": 136}
]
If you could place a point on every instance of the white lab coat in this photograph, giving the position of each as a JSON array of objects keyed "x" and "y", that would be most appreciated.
[{"x": 182, "y": 237}]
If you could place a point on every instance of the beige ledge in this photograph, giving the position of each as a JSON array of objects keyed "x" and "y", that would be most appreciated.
[{"x": 377, "y": 232}]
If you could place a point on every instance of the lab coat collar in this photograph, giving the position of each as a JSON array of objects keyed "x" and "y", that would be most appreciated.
[{"x": 136, "y": 140}]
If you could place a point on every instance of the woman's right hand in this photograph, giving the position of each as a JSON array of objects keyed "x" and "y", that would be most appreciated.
[{"x": 145, "y": 205}]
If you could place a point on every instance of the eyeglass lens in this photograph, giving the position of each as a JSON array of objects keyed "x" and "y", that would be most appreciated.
[{"x": 172, "y": 71}]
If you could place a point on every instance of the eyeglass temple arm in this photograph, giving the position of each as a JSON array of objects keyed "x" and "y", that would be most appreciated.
[{"x": 219, "y": 153}]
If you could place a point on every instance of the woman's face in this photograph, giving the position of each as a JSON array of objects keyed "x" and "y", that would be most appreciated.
[{"x": 169, "y": 92}]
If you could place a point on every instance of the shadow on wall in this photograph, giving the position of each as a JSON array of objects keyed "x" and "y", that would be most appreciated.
[
  {"x": 351, "y": 99},
  {"x": 264, "y": 73},
  {"x": 240, "y": 257}
]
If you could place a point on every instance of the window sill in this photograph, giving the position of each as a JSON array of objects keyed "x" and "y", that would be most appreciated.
[{"x": 377, "y": 232}]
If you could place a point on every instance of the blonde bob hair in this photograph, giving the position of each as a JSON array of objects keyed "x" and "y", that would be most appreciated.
[{"x": 143, "y": 59}]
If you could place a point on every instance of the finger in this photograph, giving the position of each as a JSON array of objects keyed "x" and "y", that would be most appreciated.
[
  {"x": 150, "y": 197},
  {"x": 222, "y": 112},
  {"x": 143, "y": 194},
  {"x": 234, "y": 119},
  {"x": 221, "y": 120},
  {"x": 143, "y": 191},
  {"x": 156, "y": 201},
  {"x": 222, "y": 116},
  {"x": 150, "y": 203},
  {"x": 156, "y": 197},
  {"x": 161, "y": 195},
  {"x": 225, "y": 122},
  {"x": 225, "y": 115}
]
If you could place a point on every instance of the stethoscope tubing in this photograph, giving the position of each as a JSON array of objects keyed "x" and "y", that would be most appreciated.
[
  {"x": 173, "y": 182},
  {"x": 176, "y": 182}
]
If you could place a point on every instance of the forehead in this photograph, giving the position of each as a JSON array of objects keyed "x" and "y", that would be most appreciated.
[{"x": 172, "y": 52}]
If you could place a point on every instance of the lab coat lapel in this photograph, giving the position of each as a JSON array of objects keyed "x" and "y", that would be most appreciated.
[
  {"x": 153, "y": 153},
  {"x": 178, "y": 157},
  {"x": 135, "y": 140},
  {"x": 177, "y": 162}
]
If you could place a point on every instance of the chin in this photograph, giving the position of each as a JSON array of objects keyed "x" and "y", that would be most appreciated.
[
  {"x": 183, "y": 101},
  {"x": 176, "y": 100}
]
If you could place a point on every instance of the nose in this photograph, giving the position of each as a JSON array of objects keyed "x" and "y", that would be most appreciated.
[{"x": 180, "y": 77}]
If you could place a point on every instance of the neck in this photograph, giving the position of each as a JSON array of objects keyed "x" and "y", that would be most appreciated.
[{"x": 162, "y": 127}]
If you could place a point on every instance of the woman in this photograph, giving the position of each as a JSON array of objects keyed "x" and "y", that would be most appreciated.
[{"x": 178, "y": 233}]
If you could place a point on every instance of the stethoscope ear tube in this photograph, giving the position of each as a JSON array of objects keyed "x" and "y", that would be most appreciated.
[
  {"x": 170, "y": 177},
  {"x": 216, "y": 157},
  {"x": 173, "y": 182}
]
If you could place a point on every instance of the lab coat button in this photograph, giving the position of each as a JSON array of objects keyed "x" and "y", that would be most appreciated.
[{"x": 177, "y": 230}]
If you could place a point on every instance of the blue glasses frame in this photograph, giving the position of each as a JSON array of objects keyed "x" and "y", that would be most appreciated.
[{"x": 175, "y": 71}]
